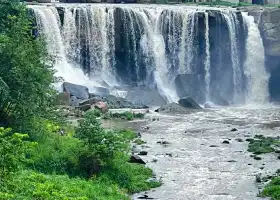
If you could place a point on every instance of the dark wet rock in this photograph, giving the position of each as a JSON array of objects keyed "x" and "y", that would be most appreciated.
[
  {"x": 154, "y": 160},
  {"x": 74, "y": 101},
  {"x": 190, "y": 85},
  {"x": 278, "y": 157},
  {"x": 261, "y": 168},
  {"x": 145, "y": 96},
  {"x": 188, "y": 102},
  {"x": 169, "y": 154},
  {"x": 85, "y": 107},
  {"x": 173, "y": 108},
  {"x": 118, "y": 102},
  {"x": 213, "y": 146},
  {"x": 136, "y": 159},
  {"x": 277, "y": 151},
  {"x": 144, "y": 197},
  {"x": 79, "y": 91},
  {"x": 225, "y": 142},
  {"x": 143, "y": 153},
  {"x": 257, "y": 157},
  {"x": 249, "y": 164},
  {"x": 139, "y": 134},
  {"x": 233, "y": 129},
  {"x": 249, "y": 139},
  {"x": 258, "y": 178},
  {"x": 145, "y": 128},
  {"x": 239, "y": 140},
  {"x": 163, "y": 142},
  {"x": 232, "y": 161}
]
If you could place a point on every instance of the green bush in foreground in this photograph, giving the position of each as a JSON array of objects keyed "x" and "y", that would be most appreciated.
[
  {"x": 33, "y": 185},
  {"x": 13, "y": 149},
  {"x": 272, "y": 189}
]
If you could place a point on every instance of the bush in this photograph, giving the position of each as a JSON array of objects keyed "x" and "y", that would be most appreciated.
[
  {"x": 13, "y": 150},
  {"x": 33, "y": 185},
  {"x": 129, "y": 176},
  {"x": 272, "y": 189},
  {"x": 100, "y": 146}
]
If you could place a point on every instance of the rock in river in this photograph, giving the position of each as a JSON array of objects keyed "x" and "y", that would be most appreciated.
[
  {"x": 188, "y": 102},
  {"x": 79, "y": 91},
  {"x": 136, "y": 159}
]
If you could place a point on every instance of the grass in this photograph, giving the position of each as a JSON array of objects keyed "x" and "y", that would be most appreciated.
[
  {"x": 34, "y": 185},
  {"x": 262, "y": 145},
  {"x": 127, "y": 115},
  {"x": 139, "y": 141},
  {"x": 131, "y": 177},
  {"x": 272, "y": 189}
]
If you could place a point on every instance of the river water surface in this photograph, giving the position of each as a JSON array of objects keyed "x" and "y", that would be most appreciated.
[{"x": 194, "y": 169}]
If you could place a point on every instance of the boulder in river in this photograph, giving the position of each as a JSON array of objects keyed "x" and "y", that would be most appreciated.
[
  {"x": 174, "y": 108},
  {"x": 117, "y": 102},
  {"x": 79, "y": 91},
  {"x": 136, "y": 159},
  {"x": 188, "y": 102},
  {"x": 191, "y": 85},
  {"x": 145, "y": 96}
]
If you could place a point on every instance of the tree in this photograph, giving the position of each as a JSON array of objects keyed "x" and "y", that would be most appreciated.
[{"x": 26, "y": 71}]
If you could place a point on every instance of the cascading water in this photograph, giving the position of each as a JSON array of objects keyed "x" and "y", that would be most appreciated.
[
  {"x": 180, "y": 51},
  {"x": 254, "y": 65}
]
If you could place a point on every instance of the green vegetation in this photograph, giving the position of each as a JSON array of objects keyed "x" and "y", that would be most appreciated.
[
  {"x": 41, "y": 155},
  {"x": 261, "y": 144},
  {"x": 139, "y": 141},
  {"x": 272, "y": 189},
  {"x": 127, "y": 115}
]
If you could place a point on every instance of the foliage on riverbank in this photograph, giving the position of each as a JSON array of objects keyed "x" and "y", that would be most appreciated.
[
  {"x": 127, "y": 115},
  {"x": 272, "y": 189},
  {"x": 41, "y": 156},
  {"x": 261, "y": 144}
]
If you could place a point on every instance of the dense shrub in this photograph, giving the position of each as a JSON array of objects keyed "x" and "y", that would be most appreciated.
[
  {"x": 13, "y": 150},
  {"x": 26, "y": 73},
  {"x": 34, "y": 185},
  {"x": 100, "y": 145}
]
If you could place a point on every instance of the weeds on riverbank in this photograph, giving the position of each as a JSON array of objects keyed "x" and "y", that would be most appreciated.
[
  {"x": 262, "y": 145},
  {"x": 127, "y": 115}
]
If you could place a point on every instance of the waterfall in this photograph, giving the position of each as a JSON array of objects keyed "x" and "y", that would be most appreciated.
[
  {"x": 207, "y": 59},
  {"x": 179, "y": 50},
  {"x": 48, "y": 22},
  {"x": 254, "y": 65}
]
